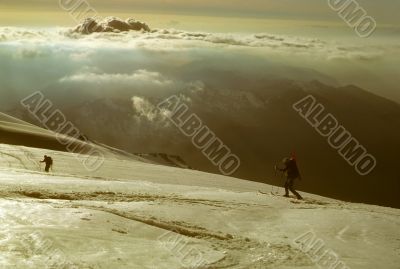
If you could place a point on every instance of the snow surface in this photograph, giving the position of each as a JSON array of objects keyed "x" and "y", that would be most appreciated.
[{"x": 131, "y": 214}]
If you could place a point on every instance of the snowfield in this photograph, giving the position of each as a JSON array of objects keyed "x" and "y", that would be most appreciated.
[{"x": 132, "y": 214}]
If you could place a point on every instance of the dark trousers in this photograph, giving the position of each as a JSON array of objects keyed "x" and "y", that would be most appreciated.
[
  {"x": 47, "y": 167},
  {"x": 289, "y": 186}
]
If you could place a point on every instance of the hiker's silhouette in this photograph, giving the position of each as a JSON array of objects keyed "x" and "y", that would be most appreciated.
[
  {"x": 48, "y": 161},
  {"x": 292, "y": 173}
]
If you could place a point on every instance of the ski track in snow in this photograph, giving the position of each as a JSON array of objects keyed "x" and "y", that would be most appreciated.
[{"x": 113, "y": 218}]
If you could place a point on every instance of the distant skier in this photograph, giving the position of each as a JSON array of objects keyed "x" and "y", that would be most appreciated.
[
  {"x": 292, "y": 173},
  {"x": 48, "y": 161}
]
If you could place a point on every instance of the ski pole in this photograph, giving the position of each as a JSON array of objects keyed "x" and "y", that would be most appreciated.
[{"x": 275, "y": 175}]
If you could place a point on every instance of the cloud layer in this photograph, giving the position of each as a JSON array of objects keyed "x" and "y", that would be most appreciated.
[
  {"x": 116, "y": 33},
  {"x": 93, "y": 58}
]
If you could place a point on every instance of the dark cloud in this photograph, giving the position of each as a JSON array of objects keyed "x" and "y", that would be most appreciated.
[{"x": 110, "y": 24}]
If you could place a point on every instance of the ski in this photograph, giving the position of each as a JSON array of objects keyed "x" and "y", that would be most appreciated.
[{"x": 272, "y": 193}]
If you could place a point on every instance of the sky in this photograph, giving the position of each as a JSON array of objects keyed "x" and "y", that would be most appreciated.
[{"x": 222, "y": 16}]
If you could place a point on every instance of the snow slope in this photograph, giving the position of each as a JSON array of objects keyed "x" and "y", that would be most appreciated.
[
  {"x": 131, "y": 214},
  {"x": 17, "y": 132}
]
